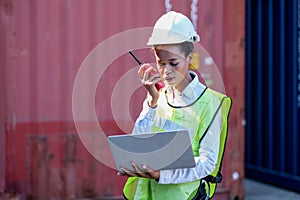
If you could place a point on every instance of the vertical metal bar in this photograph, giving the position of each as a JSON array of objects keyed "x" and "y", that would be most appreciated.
[
  {"x": 282, "y": 84},
  {"x": 33, "y": 61},
  {"x": 294, "y": 109},
  {"x": 2, "y": 150},
  {"x": 270, "y": 84},
  {"x": 259, "y": 83},
  {"x": 249, "y": 80},
  {"x": 3, "y": 86},
  {"x": 298, "y": 83}
]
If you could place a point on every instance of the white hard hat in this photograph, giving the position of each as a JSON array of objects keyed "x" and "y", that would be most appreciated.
[{"x": 173, "y": 28}]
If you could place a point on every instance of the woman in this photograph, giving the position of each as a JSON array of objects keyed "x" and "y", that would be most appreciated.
[{"x": 183, "y": 103}]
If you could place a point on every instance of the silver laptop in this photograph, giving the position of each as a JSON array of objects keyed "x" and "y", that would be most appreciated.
[{"x": 162, "y": 150}]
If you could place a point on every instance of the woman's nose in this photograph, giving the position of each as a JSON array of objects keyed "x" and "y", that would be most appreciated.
[{"x": 168, "y": 69}]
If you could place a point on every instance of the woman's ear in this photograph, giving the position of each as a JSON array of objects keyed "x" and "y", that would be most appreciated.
[{"x": 190, "y": 57}]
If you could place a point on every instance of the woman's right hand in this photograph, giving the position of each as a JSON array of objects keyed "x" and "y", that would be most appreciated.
[{"x": 149, "y": 77}]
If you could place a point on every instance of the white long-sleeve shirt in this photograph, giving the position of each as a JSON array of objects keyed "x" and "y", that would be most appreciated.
[{"x": 209, "y": 146}]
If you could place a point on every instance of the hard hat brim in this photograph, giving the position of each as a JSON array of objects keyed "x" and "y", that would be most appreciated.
[{"x": 162, "y": 36}]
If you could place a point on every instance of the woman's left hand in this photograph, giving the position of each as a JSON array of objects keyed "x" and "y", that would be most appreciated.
[{"x": 147, "y": 172}]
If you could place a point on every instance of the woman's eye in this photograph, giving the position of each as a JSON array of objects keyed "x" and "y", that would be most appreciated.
[{"x": 173, "y": 64}]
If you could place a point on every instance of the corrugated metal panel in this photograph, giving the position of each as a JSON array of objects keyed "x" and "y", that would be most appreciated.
[
  {"x": 234, "y": 78},
  {"x": 44, "y": 44},
  {"x": 272, "y": 153},
  {"x": 2, "y": 108}
]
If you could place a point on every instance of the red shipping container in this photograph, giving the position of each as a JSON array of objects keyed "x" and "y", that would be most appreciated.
[{"x": 43, "y": 46}]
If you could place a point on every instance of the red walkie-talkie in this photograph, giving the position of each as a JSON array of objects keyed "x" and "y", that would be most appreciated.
[{"x": 159, "y": 84}]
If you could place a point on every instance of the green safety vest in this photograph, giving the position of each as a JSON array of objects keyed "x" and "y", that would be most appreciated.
[{"x": 196, "y": 117}]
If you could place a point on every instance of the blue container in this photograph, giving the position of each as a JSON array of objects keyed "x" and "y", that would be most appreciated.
[{"x": 273, "y": 92}]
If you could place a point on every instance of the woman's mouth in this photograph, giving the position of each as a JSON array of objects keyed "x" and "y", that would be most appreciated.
[{"x": 169, "y": 79}]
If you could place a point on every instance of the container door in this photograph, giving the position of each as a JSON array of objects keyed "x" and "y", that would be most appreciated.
[{"x": 273, "y": 92}]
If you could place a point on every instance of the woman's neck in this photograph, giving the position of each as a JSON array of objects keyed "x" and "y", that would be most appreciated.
[{"x": 180, "y": 87}]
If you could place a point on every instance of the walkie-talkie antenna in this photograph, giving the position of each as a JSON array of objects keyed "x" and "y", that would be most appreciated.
[{"x": 137, "y": 60}]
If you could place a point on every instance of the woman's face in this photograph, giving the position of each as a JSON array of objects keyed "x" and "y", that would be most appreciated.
[{"x": 173, "y": 66}]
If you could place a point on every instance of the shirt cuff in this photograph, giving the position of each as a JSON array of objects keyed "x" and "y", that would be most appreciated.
[
  {"x": 165, "y": 176},
  {"x": 149, "y": 112}
]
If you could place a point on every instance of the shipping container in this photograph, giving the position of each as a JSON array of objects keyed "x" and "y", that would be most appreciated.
[
  {"x": 273, "y": 92},
  {"x": 67, "y": 81}
]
